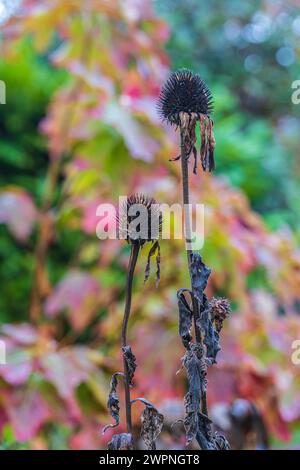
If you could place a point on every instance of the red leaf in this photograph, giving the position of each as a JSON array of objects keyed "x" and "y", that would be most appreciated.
[
  {"x": 18, "y": 212},
  {"x": 77, "y": 293}
]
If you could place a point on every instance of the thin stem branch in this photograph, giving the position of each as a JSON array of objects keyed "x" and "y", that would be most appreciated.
[{"x": 131, "y": 267}]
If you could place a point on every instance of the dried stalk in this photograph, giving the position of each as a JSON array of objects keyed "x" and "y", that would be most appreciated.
[
  {"x": 131, "y": 267},
  {"x": 185, "y": 100},
  {"x": 151, "y": 419},
  {"x": 187, "y": 232},
  {"x": 187, "y": 222}
]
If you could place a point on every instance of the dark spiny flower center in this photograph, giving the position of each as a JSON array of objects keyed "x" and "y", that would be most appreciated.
[{"x": 184, "y": 92}]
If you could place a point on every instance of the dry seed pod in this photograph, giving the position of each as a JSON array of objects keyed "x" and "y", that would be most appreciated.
[{"x": 220, "y": 309}]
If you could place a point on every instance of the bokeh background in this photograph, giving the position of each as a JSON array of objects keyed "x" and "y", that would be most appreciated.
[{"x": 79, "y": 128}]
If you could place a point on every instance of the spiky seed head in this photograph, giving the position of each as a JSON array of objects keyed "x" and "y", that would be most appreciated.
[
  {"x": 144, "y": 210},
  {"x": 184, "y": 92}
]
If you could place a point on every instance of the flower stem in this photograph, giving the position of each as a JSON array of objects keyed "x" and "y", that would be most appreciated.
[
  {"x": 131, "y": 267},
  {"x": 187, "y": 228}
]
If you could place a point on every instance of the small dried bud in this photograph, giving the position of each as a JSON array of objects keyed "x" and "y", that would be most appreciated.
[{"x": 220, "y": 309}]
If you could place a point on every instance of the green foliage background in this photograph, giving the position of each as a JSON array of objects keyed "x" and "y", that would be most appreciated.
[{"x": 257, "y": 124}]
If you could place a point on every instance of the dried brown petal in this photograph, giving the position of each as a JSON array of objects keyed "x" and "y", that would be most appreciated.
[
  {"x": 188, "y": 132},
  {"x": 212, "y": 144},
  {"x": 208, "y": 143},
  {"x": 154, "y": 249},
  {"x": 157, "y": 259},
  {"x": 203, "y": 148}
]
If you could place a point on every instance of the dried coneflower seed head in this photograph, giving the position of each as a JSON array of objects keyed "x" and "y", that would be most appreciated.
[
  {"x": 184, "y": 92},
  {"x": 140, "y": 220},
  {"x": 220, "y": 309}
]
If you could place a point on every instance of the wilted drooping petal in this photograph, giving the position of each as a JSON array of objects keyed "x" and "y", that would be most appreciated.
[
  {"x": 154, "y": 249},
  {"x": 208, "y": 143}
]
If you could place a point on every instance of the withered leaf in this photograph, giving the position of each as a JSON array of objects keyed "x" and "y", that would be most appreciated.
[
  {"x": 211, "y": 336},
  {"x": 199, "y": 276},
  {"x": 113, "y": 401},
  {"x": 122, "y": 441},
  {"x": 191, "y": 417},
  {"x": 130, "y": 362},
  {"x": 195, "y": 365},
  {"x": 204, "y": 434},
  {"x": 221, "y": 442},
  {"x": 152, "y": 423},
  {"x": 185, "y": 317}
]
